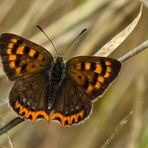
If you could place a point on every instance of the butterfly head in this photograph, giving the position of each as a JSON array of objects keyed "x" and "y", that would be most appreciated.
[{"x": 59, "y": 60}]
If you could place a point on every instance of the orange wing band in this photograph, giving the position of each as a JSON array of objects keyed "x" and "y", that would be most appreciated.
[
  {"x": 30, "y": 114},
  {"x": 68, "y": 119}
]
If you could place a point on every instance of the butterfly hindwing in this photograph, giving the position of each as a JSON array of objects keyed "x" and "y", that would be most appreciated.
[
  {"x": 72, "y": 104},
  {"x": 21, "y": 56},
  {"x": 93, "y": 74},
  {"x": 28, "y": 96}
]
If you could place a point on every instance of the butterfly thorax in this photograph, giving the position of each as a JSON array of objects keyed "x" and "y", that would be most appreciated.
[{"x": 57, "y": 70}]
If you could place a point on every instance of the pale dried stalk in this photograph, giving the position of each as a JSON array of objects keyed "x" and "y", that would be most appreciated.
[
  {"x": 108, "y": 48},
  {"x": 101, "y": 28}
]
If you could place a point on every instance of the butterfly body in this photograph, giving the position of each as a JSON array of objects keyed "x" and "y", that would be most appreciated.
[
  {"x": 56, "y": 75},
  {"x": 52, "y": 88}
]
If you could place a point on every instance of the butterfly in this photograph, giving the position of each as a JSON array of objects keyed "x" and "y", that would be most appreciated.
[{"x": 50, "y": 88}]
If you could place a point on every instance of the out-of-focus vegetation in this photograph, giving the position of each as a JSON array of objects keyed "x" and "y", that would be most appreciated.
[{"x": 62, "y": 21}]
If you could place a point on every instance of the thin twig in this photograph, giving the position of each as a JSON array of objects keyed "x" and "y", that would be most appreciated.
[
  {"x": 9, "y": 139},
  {"x": 137, "y": 124},
  {"x": 11, "y": 124},
  {"x": 133, "y": 52}
]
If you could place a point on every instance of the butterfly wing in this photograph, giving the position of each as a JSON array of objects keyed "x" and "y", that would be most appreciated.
[
  {"x": 93, "y": 74},
  {"x": 72, "y": 104},
  {"x": 28, "y": 96},
  {"x": 21, "y": 56}
]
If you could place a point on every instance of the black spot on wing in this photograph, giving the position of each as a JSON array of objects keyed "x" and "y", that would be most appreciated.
[
  {"x": 36, "y": 55},
  {"x": 15, "y": 46},
  {"x": 95, "y": 78},
  {"x": 26, "y": 50},
  {"x": 93, "y": 66},
  {"x": 102, "y": 63},
  {"x": 83, "y": 66},
  {"x": 23, "y": 68}
]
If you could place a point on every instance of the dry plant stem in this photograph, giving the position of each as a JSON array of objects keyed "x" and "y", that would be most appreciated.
[
  {"x": 133, "y": 52},
  {"x": 137, "y": 124},
  {"x": 109, "y": 47},
  {"x": 135, "y": 109},
  {"x": 130, "y": 54},
  {"x": 10, "y": 125},
  {"x": 9, "y": 139},
  {"x": 120, "y": 125}
]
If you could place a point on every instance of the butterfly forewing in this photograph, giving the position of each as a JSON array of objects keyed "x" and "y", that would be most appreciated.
[
  {"x": 93, "y": 74},
  {"x": 21, "y": 56}
]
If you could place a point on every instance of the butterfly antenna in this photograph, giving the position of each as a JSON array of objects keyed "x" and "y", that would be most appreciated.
[
  {"x": 75, "y": 39},
  {"x": 48, "y": 38}
]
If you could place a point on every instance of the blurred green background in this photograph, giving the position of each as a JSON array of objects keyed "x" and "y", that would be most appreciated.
[{"x": 62, "y": 21}]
